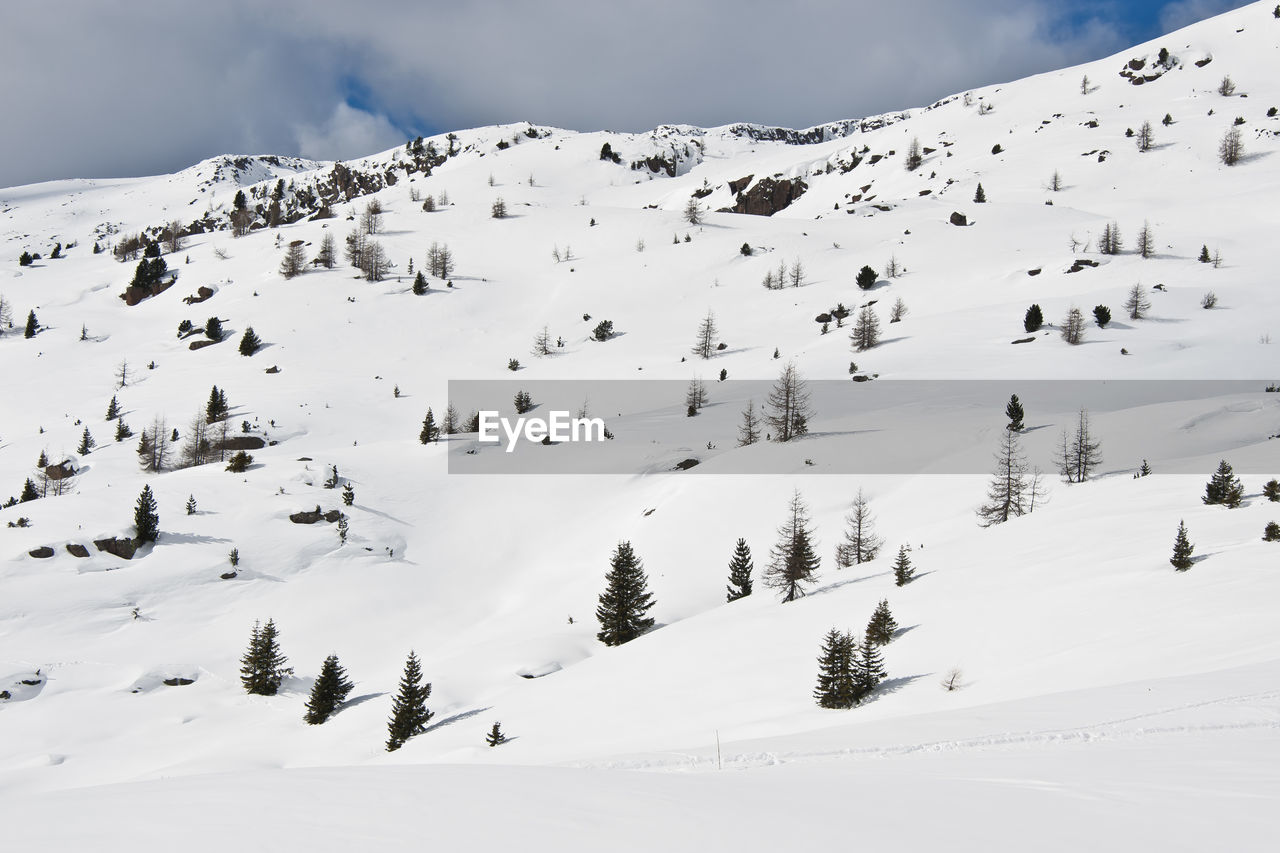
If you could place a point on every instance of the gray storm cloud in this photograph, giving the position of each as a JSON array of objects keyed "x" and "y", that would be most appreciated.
[{"x": 107, "y": 89}]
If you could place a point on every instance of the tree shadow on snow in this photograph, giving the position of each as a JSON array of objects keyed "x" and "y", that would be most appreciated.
[
  {"x": 360, "y": 700},
  {"x": 831, "y": 587},
  {"x": 465, "y": 715}
]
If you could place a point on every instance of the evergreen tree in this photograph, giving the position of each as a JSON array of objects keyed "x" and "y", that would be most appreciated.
[
  {"x": 495, "y": 737},
  {"x": 903, "y": 571},
  {"x": 429, "y": 431},
  {"x": 1224, "y": 487},
  {"x": 837, "y": 685},
  {"x": 1015, "y": 413},
  {"x": 860, "y": 544},
  {"x": 1182, "y": 549},
  {"x": 145, "y": 519},
  {"x": 449, "y": 425},
  {"x": 216, "y": 409},
  {"x": 1080, "y": 454},
  {"x": 348, "y": 495},
  {"x": 262, "y": 667},
  {"x": 420, "y": 286},
  {"x": 914, "y": 158},
  {"x": 869, "y": 668},
  {"x": 866, "y": 278},
  {"x": 866, "y": 329},
  {"x": 29, "y": 492},
  {"x": 626, "y": 599},
  {"x": 33, "y": 325},
  {"x": 409, "y": 714},
  {"x": 329, "y": 691},
  {"x": 1101, "y": 315},
  {"x": 980, "y": 197},
  {"x": 523, "y": 402},
  {"x": 882, "y": 625},
  {"x": 1145, "y": 469},
  {"x": 249, "y": 342},
  {"x": 1271, "y": 490},
  {"x": 1204, "y": 255},
  {"x": 113, "y": 409},
  {"x": 86, "y": 443},
  {"x": 1137, "y": 303},
  {"x": 793, "y": 562},
  {"x": 213, "y": 329},
  {"x": 191, "y": 505},
  {"x": 1271, "y": 533},
  {"x": 740, "y": 568},
  {"x": 1033, "y": 319}
]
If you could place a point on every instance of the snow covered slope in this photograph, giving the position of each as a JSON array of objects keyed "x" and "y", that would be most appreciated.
[{"x": 1092, "y": 673}]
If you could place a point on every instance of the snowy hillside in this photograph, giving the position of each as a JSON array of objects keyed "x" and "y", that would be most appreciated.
[{"x": 1097, "y": 689}]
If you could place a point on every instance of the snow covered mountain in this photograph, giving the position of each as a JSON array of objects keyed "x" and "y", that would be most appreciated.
[{"x": 1128, "y": 704}]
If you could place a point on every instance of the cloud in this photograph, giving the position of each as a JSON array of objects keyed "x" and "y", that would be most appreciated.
[
  {"x": 149, "y": 86},
  {"x": 347, "y": 133}
]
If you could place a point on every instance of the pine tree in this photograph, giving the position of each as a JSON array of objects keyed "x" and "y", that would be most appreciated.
[
  {"x": 1080, "y": 454},
  {"x": 705, "y": 345},
  {"x": 868, "y": 669},
  {"x": 1271, "y": 490},
  {"x": 749, "y": 429},
  {"x": 866, "y": 278},
  {"x": 329, "y": 691},
  {"x": 837, "y": 685},
  {"x": 122, "y": 430},
  {"x": 216, "y": 409},
  {"x": 262, "y": 668},
  {"x": 1146, "y": 137},
  {"x": 1144, "y": 470},
  {"x": 33, "y": 325},
  {"x": 1015, "y": 413},
  {"x": 882, "y": 625},
  {"x": 113, "y": 409},
  {"x": 1033, "y": 319},
  {"x": 86, "y": 443},
  {"x": 860, "y": 544},
  {"x": 1101, "y": 315},
  {"x": 1073, "y": 326},
  {"x": 409, "y": 714},
  {"x": 903, "y": 571},
  {"x": 914, "y": 159},
  {"x": 429, "y": 431},
  {"x": 1204, "y": 255},
  {"x": 740, "y": 568},
  {"x": 348, "y": 495},
  {"x": 1271, "y": 533},
  {"x": 191, "y": 505},
  {"x": 542, "y": 343},
  {"x": 980, "y": 197},
  {"x": 449, "y": 425},
  {"x": 1182, "y": 548},
  {"x": 29, "y": 492},
  {"x": 250, "y": 342},
  {"x": 793, "y": 561},
  {"x": 1224, "y": 488},
  {"x": 145, "y": 519},
  {"x": 495, "y": 737},
  {"x": 626, "y": 599}
]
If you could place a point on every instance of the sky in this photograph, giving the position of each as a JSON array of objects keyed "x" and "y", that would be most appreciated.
[{"x": 113, "y": 88}]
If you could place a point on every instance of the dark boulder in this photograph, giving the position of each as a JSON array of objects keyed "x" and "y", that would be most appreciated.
[
  {"x": 77, "y": 550},
  {"x": 122, "y": 548},
  {"x": 44, "y": 552},
  {"x": 767, "y": 196},
  {"x": 958, "y": 218}
]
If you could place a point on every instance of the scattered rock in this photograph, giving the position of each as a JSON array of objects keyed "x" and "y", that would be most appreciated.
[
  {"x": 77, "y": 550},
  {"x": 243, "y": 442},
  {"x": 310, "y": 516},
  {"x": 1023, "y": 341},
  {"x": 201, "y": 344},
  {"x": 61, "y": 471},
  {"x": 958, "y": 218},
  {"x": 1034, "y": 272},
  {"x": 822, "y": 318},
  {"x": 44, "y": 552},
  {"x": 228, "y": 576},
  {"x": 202, "y": 294},
  {"x": 332, "y": 516},
  {"x": 178, "y": 682},
  {"x": 273, "y": 369},
  {"x": 686, "y": 464},
  {"x": 122, "y": 548}
]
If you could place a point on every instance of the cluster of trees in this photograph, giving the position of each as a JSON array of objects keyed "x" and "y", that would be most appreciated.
[
  {"x": 848, "y": 671},
  {"x": 777, "y": 279}
]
